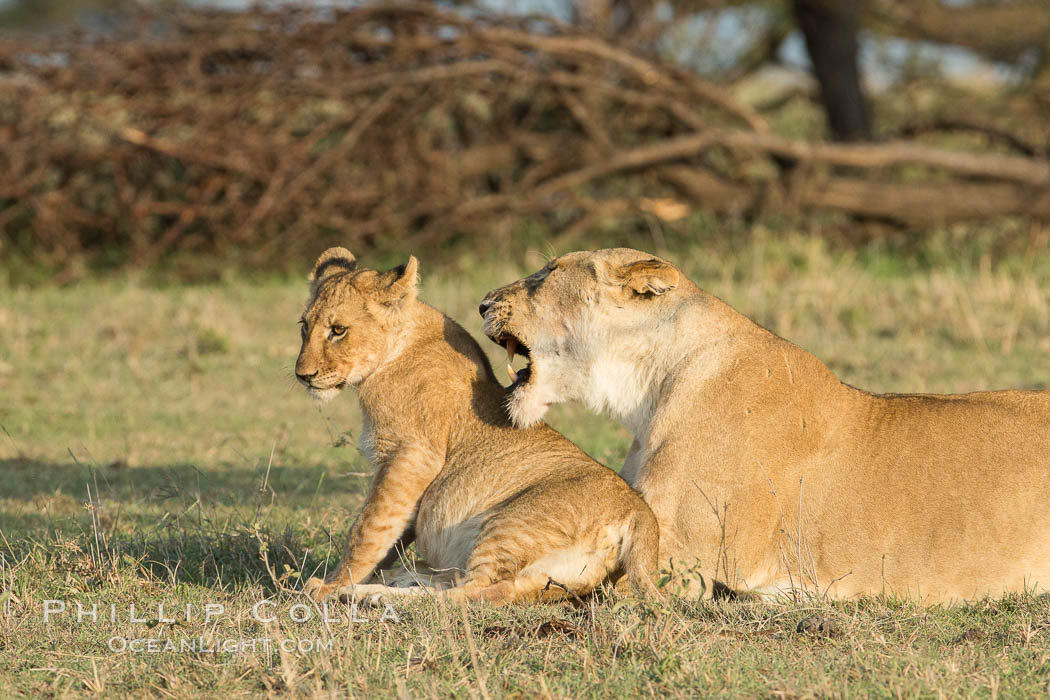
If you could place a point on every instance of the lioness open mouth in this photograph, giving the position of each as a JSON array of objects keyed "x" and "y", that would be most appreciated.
[{"x": 514, "y": 346}]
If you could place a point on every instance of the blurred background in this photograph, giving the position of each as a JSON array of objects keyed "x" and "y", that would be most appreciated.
[{"x": 179, "y": 137}]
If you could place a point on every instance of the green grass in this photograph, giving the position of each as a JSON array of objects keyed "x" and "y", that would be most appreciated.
[{"x": 156, "y": 450}]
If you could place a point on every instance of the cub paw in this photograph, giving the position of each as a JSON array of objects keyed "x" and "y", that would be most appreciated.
[{"x": 317, "y": 589}]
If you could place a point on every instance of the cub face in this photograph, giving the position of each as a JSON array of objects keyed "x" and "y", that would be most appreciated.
[
  {"x": 351, "y": 322},
  {"x": 572, "y": 319}
]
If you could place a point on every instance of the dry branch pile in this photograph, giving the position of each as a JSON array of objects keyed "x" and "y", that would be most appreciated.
[{"x": 275, "y": 132}]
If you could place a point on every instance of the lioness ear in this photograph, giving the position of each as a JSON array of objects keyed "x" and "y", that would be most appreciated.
[
  {"x": 648, "y": 277},
  {"x": 332, "y": 261},
  {"x": 400, "y": 282}
]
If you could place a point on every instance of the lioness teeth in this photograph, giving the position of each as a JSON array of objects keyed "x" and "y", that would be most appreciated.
[
  {"x": 512, "y": 347},
  {"x": 512, "y": 373}
]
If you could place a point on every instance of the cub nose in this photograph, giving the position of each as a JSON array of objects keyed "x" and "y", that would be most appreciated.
[
  {"x": 484, "y": 306},
  {"x": 305, "y": 378}
]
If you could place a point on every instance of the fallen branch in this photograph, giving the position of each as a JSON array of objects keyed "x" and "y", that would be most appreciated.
[
  {"x": 1033, "y": 171},
  {"x": 1029, "y": 171},
  {"x": 1000, "y": 30},
  {"x": 1000, "y": 135}
]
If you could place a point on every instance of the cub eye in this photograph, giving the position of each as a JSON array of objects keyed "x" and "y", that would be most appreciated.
[
  {"x": 338, "y": 331},
  {"x": 302, "y": 328}
]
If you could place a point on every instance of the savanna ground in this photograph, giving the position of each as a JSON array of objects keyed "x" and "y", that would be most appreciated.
[{"x": 155, "y": 449}]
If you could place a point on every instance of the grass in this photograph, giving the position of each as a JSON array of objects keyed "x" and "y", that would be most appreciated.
[{"x": 155, "y": 450}]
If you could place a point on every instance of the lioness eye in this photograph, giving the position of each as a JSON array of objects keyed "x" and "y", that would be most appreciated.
[{"x": 338, "y": 331}]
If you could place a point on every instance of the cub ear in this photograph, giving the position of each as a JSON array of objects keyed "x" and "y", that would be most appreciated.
[
  {"x": 332, "y": 261},
  {"x": 400, "y": 282},
  {"x": 648, "y": 277}
]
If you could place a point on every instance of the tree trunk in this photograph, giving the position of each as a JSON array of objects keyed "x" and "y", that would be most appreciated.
[{"x": 830, "y": 28}]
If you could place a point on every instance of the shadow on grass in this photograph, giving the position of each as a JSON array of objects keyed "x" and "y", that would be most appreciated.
[
  {"x": 27, "y": 478},
  {"x": 230, "y": 561},
  {"x": 268, "y": 558},
  {"x": 215, "y": 527}
]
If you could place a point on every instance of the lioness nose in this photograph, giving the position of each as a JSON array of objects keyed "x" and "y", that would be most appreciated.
[
  {"x": 484, "y": 306},
  {"x": 303, "y": 377}
]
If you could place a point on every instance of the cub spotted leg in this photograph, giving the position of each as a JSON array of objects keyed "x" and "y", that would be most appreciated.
[{"x": 387, "y": 514}]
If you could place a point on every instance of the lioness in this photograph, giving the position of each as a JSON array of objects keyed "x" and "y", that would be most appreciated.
[
  {"x": 521, "y": 514},
  {"x": 762, "y": 466}
]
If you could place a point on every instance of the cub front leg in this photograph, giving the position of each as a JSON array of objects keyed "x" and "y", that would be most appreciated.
[
  {"x": 395, "y": 553},
  {"x": 386, "y": 515}
]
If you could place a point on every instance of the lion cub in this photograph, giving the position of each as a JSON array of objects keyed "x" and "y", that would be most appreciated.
[{"x": 518, "y": 514}]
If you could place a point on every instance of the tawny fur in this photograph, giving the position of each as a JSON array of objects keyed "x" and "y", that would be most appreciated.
[
  {"x": 502, "y": 512},
  {"x": 764, "y": 469}
]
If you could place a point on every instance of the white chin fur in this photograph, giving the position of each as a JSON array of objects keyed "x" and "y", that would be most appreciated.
[
  {"x": 323, "y": 395},
  {"x": 528, "y": 404}
]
